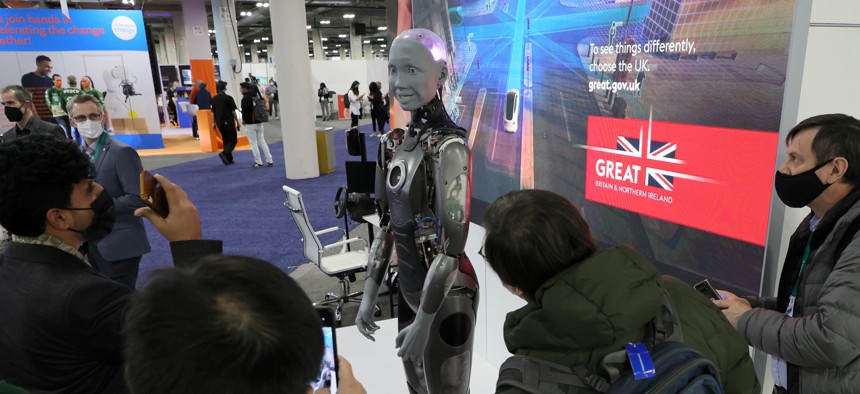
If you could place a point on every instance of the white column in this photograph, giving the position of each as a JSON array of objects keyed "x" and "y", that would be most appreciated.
[
  {"x": 181, "y": 41},
  {"x": 224, "y": 17},
  {"x": 367, "y": 48},
  {"x": 270, "y": 52},
  {"x": 170, "y": 44},
  {"x": 291, "y": 56},
  {"x": 342, "y": 52},
  {"x": 316, "y": 36},
  {"x": 196, "y": 29},
  {"x": 254, "y": 55},
  {"x": 355, "y": 52}
]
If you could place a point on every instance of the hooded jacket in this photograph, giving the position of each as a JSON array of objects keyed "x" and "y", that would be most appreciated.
[{"x": 596, "y": 306}]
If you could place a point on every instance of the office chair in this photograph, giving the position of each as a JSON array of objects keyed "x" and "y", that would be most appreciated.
[{"x": 343, "y": 264}]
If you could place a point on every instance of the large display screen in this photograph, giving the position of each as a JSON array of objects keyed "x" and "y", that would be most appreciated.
[{"x": 658, "y": 118}]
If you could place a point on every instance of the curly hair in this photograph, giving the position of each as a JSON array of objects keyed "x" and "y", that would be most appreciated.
[{"x": 37, "y": 173}]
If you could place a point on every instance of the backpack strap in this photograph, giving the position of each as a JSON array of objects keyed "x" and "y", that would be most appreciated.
[{"x": 543, "y": 377}]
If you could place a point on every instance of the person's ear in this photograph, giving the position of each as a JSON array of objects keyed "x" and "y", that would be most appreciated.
[
  {"x": 58, "y": 218},
  {"x": 838, "y": 170}
]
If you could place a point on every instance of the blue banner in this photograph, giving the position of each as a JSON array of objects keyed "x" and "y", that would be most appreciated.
[{"x": 24, "y": 30}]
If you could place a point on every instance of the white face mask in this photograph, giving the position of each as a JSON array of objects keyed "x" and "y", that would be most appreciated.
[{"x": 91, "y": 129}]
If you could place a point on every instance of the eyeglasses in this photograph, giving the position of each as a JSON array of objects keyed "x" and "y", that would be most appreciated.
[{"x": 83, "y": 118}]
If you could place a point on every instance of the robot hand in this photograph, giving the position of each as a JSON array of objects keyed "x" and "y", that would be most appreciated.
[
  {"x": 364, "y": 319},
  {"x": 413, "y": 339}
]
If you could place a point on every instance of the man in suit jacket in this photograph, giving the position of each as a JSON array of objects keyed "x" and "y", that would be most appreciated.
[
  {"x": 18, "y": 107},
  {"x": 60, "y": 320},
  {"x": 118, "y": 169}
]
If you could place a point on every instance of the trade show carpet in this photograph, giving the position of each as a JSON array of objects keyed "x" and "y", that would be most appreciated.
[{"x": 243, "y": 206}]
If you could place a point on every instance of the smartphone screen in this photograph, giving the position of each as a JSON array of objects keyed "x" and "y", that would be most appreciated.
[
  {"x": 152, "y": 194},
  {"x": 328, "y": 370},
  {"x": 705, "y": 288}
]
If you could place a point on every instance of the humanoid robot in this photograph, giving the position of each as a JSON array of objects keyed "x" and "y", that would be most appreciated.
[{"x": 423, "y": 188}]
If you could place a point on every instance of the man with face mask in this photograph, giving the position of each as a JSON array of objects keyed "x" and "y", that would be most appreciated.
[
  {"x": 61, "y": 319},
  {"x": 118, "y": 169},
  {"x": 812, "y": 327},
  {"x": 18, "y": 108}
]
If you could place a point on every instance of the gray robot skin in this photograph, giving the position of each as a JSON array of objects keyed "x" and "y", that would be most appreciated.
[{"x": 423, "y": 187}]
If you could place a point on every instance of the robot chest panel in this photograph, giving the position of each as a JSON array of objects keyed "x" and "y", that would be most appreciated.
[{"x": 408, "y": 184}]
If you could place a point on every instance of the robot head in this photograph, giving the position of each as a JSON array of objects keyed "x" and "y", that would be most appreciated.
[{"x": 416, "y": 67}]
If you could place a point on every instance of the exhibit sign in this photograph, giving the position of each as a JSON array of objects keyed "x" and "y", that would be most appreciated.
[
  {"x": 658, "y": 119},
  {"x": 108, "y": 46}
]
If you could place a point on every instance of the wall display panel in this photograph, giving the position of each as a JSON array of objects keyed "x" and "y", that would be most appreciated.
[
  {"x": 108, "y": 46},
  {"x": 658, "y": 118}
]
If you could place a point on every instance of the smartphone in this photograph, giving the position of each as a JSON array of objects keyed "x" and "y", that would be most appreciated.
[
  {"x": 328, "y": 370},
  {"x": 709, "y": 291},
  {"x": 152, "y": 194}
]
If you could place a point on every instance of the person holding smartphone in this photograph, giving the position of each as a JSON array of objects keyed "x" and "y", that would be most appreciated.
[{"x": 61, "y": 319}]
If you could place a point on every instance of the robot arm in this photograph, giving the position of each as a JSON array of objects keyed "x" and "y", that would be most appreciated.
[
  {"x": 379, "y": 256},
  {"x": 453, "y": 189}
]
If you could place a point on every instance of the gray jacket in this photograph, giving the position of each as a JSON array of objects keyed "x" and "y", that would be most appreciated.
[{"x": 821, "y": 343}]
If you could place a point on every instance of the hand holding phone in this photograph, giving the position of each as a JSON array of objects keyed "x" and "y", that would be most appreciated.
[
  {"x": 182, "y": 222},
  {"x": 708, "y": 290},
  {"x": 328, "y": 376},
  {"x": 153, "y": 194}
]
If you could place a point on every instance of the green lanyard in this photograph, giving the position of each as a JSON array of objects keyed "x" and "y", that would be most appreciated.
[
  {"x": 802, "y": 265},
  {"x": 98, "y": 147}
]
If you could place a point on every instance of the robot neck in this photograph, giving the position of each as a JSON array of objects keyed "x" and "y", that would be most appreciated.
[{"x": 432, "y": 115}]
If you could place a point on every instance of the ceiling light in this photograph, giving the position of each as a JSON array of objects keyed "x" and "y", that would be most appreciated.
[
  {"x": 348, "y": 16},
  {"x": 324, "y": 39},
  {"x": 380, "y": 39},
  {"x": 310, "y": 41},
  {"x": 309, "y": 27},
  {"x": 265, "y": 38},
  {"x": 265, "y": 50},
  {"x": 367, "y": 41},
  {"x": 382, "y": 50},
  {"x": 265, "y": 5},
  {"x": 325, "y": 47},
  {"x": 325, "y": 22},
  {"x": 259, "y": 4},
  {"x": 383, "y": 45},
  {"x": 380, "y": 28},
  {"x": 256, "y": 41},
  {"x": 342, "y": 35},
  {"x": 241, "y": 45},
  {"x": 247, "y": 53}
]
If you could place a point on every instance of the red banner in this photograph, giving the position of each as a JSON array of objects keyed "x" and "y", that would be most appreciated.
[{"x": 714, "y": 179}]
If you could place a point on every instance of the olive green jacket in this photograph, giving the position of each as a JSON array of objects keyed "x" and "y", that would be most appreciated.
[{"x": 596, "y": 306}]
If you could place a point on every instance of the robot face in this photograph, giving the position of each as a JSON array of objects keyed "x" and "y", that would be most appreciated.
[{"x": 414, "y": 76}]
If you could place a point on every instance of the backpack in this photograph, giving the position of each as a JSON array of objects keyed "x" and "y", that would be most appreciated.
[
  {"x": 260, "y": 114},
  {"x": 346, "y": 100},
  {"x": 679, "y": 368}
]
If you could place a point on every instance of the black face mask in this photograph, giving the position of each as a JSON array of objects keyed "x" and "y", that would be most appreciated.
[
  {"x": 799, "y": 190},
  {"x": 103, "y": 219},
  {"x": 13, "y": 114}
]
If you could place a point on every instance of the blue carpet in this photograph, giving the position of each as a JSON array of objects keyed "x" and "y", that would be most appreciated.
[{"x": 243, "y": 206}]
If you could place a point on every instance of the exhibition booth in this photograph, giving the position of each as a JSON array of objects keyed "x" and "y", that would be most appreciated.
[{"x": 663, "y": 121}]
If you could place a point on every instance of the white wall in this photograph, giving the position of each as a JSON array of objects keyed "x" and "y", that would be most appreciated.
[{"x": 338, "y": 75}]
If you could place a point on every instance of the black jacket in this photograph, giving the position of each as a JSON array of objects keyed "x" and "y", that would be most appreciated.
[
  {"x": 248, "y": 108},
  {"x": 61, "y": 320}
]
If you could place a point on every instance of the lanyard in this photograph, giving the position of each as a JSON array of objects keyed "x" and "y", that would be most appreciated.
[
  {"x": 98, "y": 147},
  {"x": 802, "y": 265}
]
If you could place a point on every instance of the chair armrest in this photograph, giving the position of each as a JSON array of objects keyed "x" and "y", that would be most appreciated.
[
  {"x": 328, "y": 230},
  {"x": 344, "y": 242}
]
